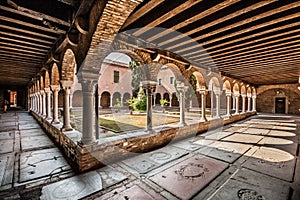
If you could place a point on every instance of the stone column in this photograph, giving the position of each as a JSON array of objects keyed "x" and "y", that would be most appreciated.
[
  {"x": 48, "y": 102},
  {"x": 66, "y": 85},
  {"x": 217, "y": 93},
  {"x": 55, "y": 89},
  {"x": 249, "y": 104},
  {"x": 203, "y": 93},
  {"x": 182, "y": 89},
  {"x": 228, "y": 97},
  {"x": 41, "y": 102},
  {"x": 243, "y": 103},
  {"x": 170, "y": 101},
  {"x": 254, "y": 103},
  {"x": 99, "y": 100},
  {"x": 212, "y": 103},
  {"x": 154, "y": 97},
  {"x": 71, "y": 100},
  {"x": 43, "y": 95},
  {"x": 88, "y": 89},
  {"x": 236, "y": 103},
  {"x": 33, "y": 102},
  {"x": 111, "y": 100},
  {"x": 37, "y": 101},
  {"x": 149, "y": 86},
  {"x": 233, "y": 102},
  {"x": 121, "y": 100}
]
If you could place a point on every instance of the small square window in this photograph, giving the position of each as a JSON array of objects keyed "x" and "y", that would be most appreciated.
[
  {"x": 171, "y": 80},
  {"x": 159, "y": 81},
  {"x": 116, "y": 76}
]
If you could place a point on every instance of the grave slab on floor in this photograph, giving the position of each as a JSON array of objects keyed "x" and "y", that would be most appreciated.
[
  {"x": 32, "y": 132},
  {"x": 187, "y": 178},
  {"x": 273, "y": 162},
  {"x": 35, "y": 142},
  {"x": 261, "y": 126},
  {"x": 28, "y": 126},
  {"x": 82, "y": 185},
  {"x": 8, "y": 123},
  {"x": 277, "y": 133},
  {"x": 256, "y": 131},
  {"x": 191, "y": 144},
  {"x": 8, "y": 128},
  {"x": 280, "y": 143},
  {"x": 235, "y": 129},
  {"x": 41, "y": 163},
  {"x": 148, "y": 161},
  {"x": 243, "y": 138},
  {"x": 216, "y": 135},
  {"x": 135, "y": 192},
  {"x": 7, "y": 135},
  {"x": 6, "y": 146},
  {"x": 284, "y": 128},
  {"x": 247, "y": 184},
  {"x": 6, "y": 169},
  {"x": 225, "y": 151}
]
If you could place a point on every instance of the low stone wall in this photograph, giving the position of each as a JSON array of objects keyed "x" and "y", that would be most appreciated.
[{"x": 108, "y": 150}]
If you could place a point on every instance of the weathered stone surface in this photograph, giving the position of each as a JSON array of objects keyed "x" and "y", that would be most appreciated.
[
  {"x": 280, "y": 143},
  {"x": 257, "y": 131},
  {"x": 243, "y": 138},
  {"x": 247, "y": 184},
  {"x": 28, "y": 126},
  {"x": 6, "y": 169},
  {"x": 35, "y": 142},
  {"x": 216, "y": 135},
  {"x": 6, "y": 146},
  {"x": 41, "y": 163},
  {"x": 272, "y": 161},
  {"x": 278, "y": 133},
  {"x": 235, "y": 129},
  {"x": 135, "y": 192},
  {"x": 226, "y": 151},
  {"x": 188, "y": 177},
  {"x": 32, "y": 132},
  {"x": 188, "y": 145},
  {"x": 7, "y": 135}
]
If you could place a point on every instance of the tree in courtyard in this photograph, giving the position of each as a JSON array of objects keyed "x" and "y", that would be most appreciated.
[{"x": 136, "y": 77}]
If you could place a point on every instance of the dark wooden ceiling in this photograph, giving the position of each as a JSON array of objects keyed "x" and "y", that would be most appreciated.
[{"x": 255, "y": 41}]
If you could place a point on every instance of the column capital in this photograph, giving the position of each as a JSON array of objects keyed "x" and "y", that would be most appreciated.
[
  {"x": 244, "y": 95},
  {"x": 42, "y": 92},
  {"x": 236, "y": 94},
  {"x": 55, "y": 87},
  {"x": 149, "y": 85},
  {"x": 228, "y": 94},
  {"x": 88, "y": 85},
  {"x": 66, "y": 84},
  {"x": 253, "y": 97},
  {"x": 203, "y": 91},
  {"x": 217, "y": 92},
  {"x": 47, "y": 90}
]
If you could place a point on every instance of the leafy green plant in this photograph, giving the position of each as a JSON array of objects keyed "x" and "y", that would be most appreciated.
[
  {"x": 138, "y": 105},
  {"x": 163, "y": 102}
]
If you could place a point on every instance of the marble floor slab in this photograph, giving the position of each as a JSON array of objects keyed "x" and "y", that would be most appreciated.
[
  {"x": 287, "y": 145},
  {"x": 284, "y": 128},
  {"x": 216, "y": 135},
  {"x": 41, "y": 163},
  {"x": 243, "y": 138},
  {"x": 278, "y": 133},
  {"x": 35, "y": 142},
  {"x": 226, "y": 151},
  {"x": 135, "y": 192},
  {"x": 190, "y": 144},
  {"x": 248, "y": 185},
  {"x": 273, "y": 162},
  {"x": 6, "y": 146},
  {"x": 187, "y": 178},
  {"x": 32, "y": 132},
  {"x": 29, "y": 126},
  {"x": 6, "y": 169},
  {"x": 235, "y": 129},
  {"x": 257, "y": 131},
  {"x": 7, "y": 135}
]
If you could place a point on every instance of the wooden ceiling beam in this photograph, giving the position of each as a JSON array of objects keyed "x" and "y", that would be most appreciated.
[
  {"x": 167, "y": 16},
  {"x": 28, "y": 32},
  {"x": 24, "y": 42},
  {"x": 22, "y": 50},
  {"x": 246, "y": 21},
  {"x": 142, "y": 11},
  {"x": 22, "y": 47},
  {"x": 15, "y": 21},
  {"x": 18, "y": 55},
  {"x": 241, "y": 39},
  {"x": 24, "y": 37},
  {"x": 215, "y": 22},
  {"x": 19, "y": 61},
  {"x": 35, "y": 15}
]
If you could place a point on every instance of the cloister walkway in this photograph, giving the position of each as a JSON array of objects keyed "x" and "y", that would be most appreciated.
[{"x": 257, "y": 158}]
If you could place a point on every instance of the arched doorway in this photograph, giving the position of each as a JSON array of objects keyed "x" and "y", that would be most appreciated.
[{"x": 105, "y": 100}]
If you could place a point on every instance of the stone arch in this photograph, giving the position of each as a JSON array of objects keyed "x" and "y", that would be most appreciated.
[
  {"x": 77, "y": 99},
  {"x": 157, "y": 98},
  {"x": 105, "y": 99},
  {"x": 236, "y": 88},
  {"x": 54, "y": 75},
  {"x": 116, "y": 97},
  {"x": 249, "y": 92},
  {"x": 200, "y": 80},
  {"x": 214, "y": 84},
  {"x": 253, "y": 91},
  {"x": 126, "y": 96},
  {"x": 175, "y": 101},
  {"x": 68, "y": 65},
  {"x": 243, "y": 90},
  {"x": 166, "y": 96},
  {"x": 227, "y": 86},
  {"x": 47, "y": 79}
]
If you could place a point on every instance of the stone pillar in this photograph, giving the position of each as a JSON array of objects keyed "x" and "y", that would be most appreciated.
[
  {"x": 243, "y": 103},
  {"x": 88, "y": 89},
  {"x": 211, "y": 103},
  {"x": 181, "y": 89},
  {"x": 55, "y": 89},
  {"x": 121, "y": 100},
  {"x": 218, "y": 94},
  {"x": 254, "y": 103},
  {"x": 236, "y": 103},
  {"x": 249, "y": 104},
  {"x": 99, "y": 100},
  {"x": 71, "y": 100},
  {"x": 170, "y": 105},
  {"x": 203, "y": 93},
  {"x": 41, "y": 102},
  {"x": 48, "y": 102},
  {"x": 43, "y": 96},
  {"x": 111, "y": 101},
  {"x": 233, "y": 102},
  {"x": 154, "y": 97},
  {"x": 228, "y": 97},
  {"x": 66, "y": 86},
  {"x": 149, "y": 86},
  {"x": 191, "y": 103},
  {"x": 37, "y": 101}
]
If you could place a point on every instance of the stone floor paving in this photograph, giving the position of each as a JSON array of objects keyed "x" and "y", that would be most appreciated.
[{"x": 256, "y": 158}]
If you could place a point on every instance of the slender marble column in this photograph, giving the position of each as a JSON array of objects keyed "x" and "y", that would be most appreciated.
[
  {"x": 154, "y": 99},
  {"x": 218, "y": 94},
  {"x": 66, "y": 85},
  {"x": 228, "y": 97},
  {"x": 149, "y": 86},
  {"x": 243, "y": 103},
  {"x": 249, "y": 104},
  {"x": 41, "y": 102},
  {"x": 254, "y": 103},
  {"x": 170, "y": 105},
  {"x": 182, "y": 89},
  {"x": 55, "y": 89},
  {"x": 43, "y": 96},
  {"x": 236, "y": 103},
  {"x": 111, "y": 100},
  {"x": 48, "y": 102},
  {"x": 203, "y": 93},
  {"x": 233, "y": 102},
  {"x": 71, "y": 100},
  {"x": 88, "y": 89},
  {"x": 211, "y": 103}
]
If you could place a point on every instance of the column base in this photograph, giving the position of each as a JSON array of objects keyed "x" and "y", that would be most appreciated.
[
  {"x": 55, "y": 121},
  {"x": 149, "y": 131},
  {"x": 64, "y": 129},
  {"x": 182, "y": 124},
  {"x": 87, "y": 141},
  {"x": 203, "y": 120}
]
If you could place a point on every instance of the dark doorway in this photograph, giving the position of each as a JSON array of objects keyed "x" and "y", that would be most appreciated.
[{"x": 280, "y": 105}]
